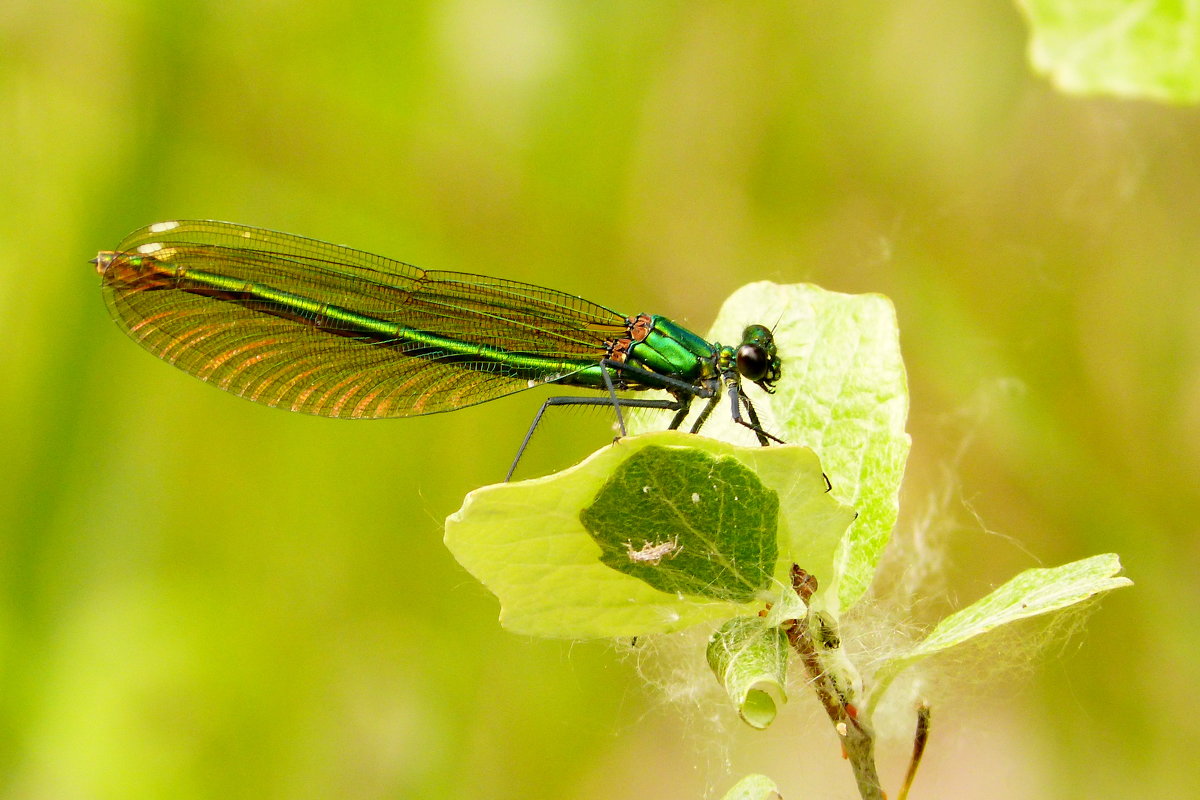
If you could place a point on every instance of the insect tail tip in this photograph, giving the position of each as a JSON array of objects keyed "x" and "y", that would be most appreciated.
[{"x": 102, "y": 260}]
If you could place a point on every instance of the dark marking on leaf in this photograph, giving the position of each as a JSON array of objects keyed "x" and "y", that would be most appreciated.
[{"x": 711, "y": 519}]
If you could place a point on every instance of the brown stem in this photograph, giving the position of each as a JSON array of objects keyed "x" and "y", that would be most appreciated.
[{"x": 858, "y": 740}]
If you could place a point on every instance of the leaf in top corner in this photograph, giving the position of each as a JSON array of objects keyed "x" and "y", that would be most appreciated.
[{"x": 1142, "y": 50}]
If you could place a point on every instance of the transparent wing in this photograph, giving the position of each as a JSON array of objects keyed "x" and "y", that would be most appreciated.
[{"x": 310, "y": 326}]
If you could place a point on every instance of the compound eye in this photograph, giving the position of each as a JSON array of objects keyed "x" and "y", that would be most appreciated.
[{"x": 752, "y": 362}]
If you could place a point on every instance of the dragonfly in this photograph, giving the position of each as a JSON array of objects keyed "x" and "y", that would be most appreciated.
[{"x": 322, "y": 329}]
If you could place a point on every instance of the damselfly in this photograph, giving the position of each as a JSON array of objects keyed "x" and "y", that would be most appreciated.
[{"x": 322, "y": 329}]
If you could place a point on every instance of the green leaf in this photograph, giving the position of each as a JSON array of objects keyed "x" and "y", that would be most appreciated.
[
  {"x": 750, "y": 659},
  {"x": 1029, "y": 594},
  {"x": 787, "y": 606},
  {"x": 527, "y": 542},
  {"x": 1147, "y": 50},
  {"x": 844, "y": 394},
  {"x": 754, "y": 787},
  {"x": 687, "y": 522}
]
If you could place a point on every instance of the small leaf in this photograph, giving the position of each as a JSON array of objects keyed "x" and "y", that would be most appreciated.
[
  {"x": 754, "y": 787},
  {"x": 786, "y": 607},
  {"x": 1146, "y": 50},
  {"x": 749, "y": 659},
  {"x": 527, "y": 543},
  {"x": 1029, "y": 594},
  {"x": 843, "y": 393},
  {"x": 687, "y": 523}
]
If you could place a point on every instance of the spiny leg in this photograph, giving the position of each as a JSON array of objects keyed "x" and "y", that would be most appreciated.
[
  {"x": 737, "y": 396},
  {"x": 682, "y": 401},
  {"x": 705, "y": 412},
  {"x": 670, "y": 405},
  {"x": 755, "y": 425},
  {"x": 682, "y": 392},
  {"x": 612, "y": 393},
  {"x": 685, "y": 404}
]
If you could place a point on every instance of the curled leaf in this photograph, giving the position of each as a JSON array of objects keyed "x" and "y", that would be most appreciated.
[{"x": 749, "y": 659}]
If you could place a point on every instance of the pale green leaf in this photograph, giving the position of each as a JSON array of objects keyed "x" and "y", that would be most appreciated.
[
  {"x": 750, "y": 659},
  {"x": 1029, "y": 594},
  {"x": 1148, "y": 49},
  {"x": 754, "y": 787},
  {"x": 527, "y": 541},
  {"x": 786, "y": 607}
]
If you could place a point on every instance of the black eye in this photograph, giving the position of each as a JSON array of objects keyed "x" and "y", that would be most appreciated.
[{"x": 752, "y": 362}]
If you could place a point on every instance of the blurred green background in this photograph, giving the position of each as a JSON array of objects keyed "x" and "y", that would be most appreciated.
[{"x": 207, "y": 598}]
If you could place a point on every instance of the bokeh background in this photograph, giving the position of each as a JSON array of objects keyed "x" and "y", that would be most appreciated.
[{"x": 206, "y": 598}]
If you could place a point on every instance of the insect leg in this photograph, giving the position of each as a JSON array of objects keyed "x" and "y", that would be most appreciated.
[
  {"x": 704, "y": 412},
  {"x": 612, "y": 393},
  {"x": 669, "y": 405},
  {"x": 737, "y": 396},
  {"x": 685, "y": 404},
  {"x": 682, "y": 391}
]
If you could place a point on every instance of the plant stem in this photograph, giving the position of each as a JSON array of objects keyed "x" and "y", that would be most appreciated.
[{"x": 858, "y": 740}]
